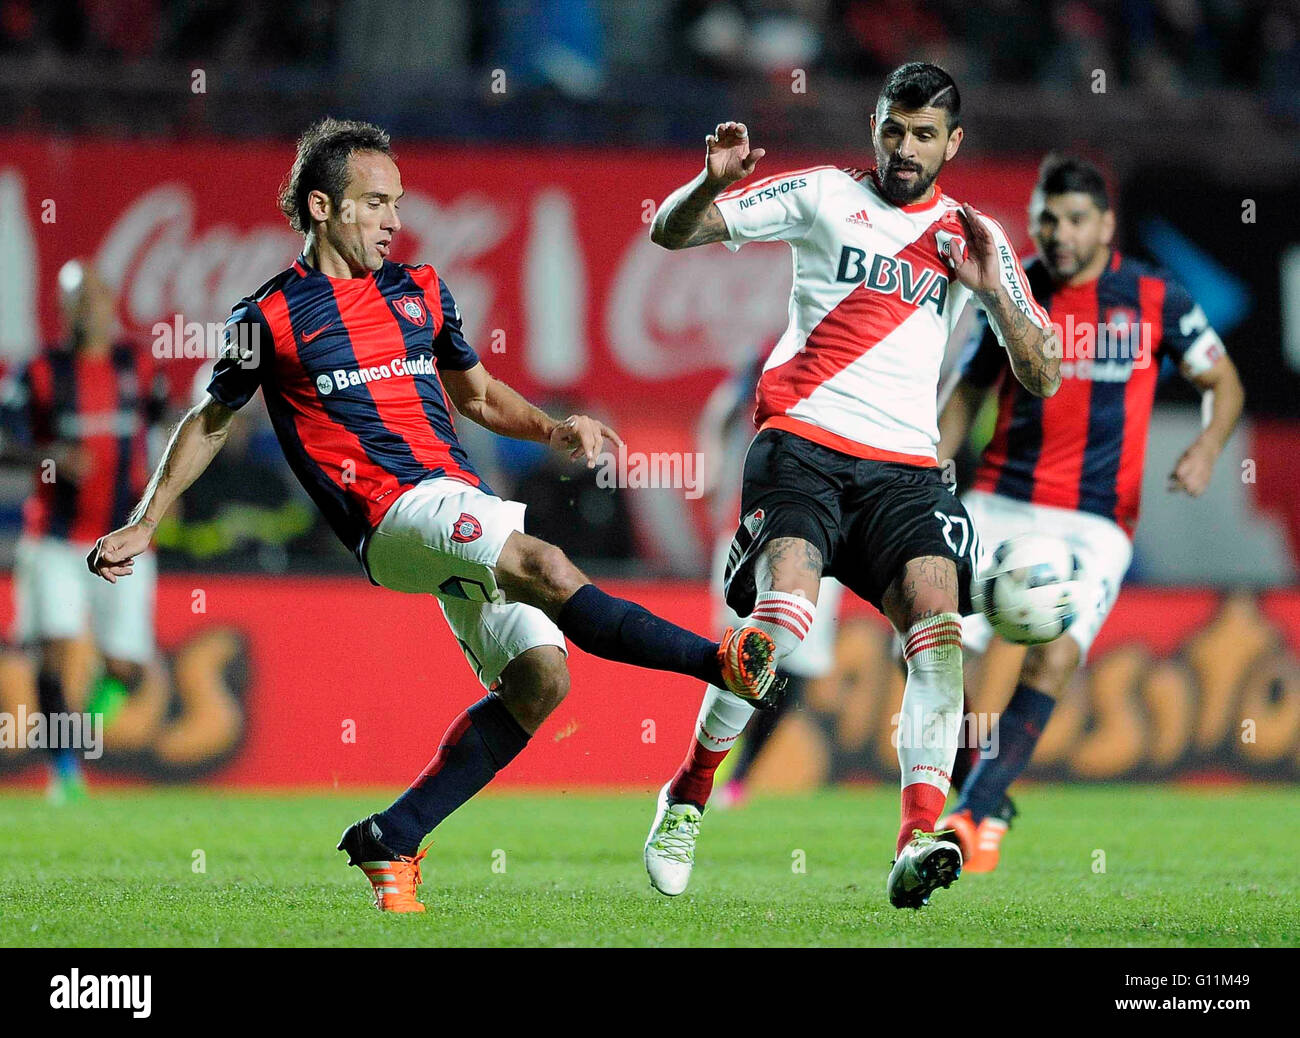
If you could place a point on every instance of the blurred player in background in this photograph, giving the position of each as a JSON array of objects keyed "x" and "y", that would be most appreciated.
[
  {"x": 1072, "y": 465},
  {"x": 842, "y": 478},
  {"x": 78, "y": 416},
  {"x": 359, "y": 360},
  {"x": 726, "y": 428}
]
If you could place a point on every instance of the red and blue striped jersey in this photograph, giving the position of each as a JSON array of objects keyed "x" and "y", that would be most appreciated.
[
  {"x": 349, "y": 372},
  {"x": 1083, "y": 448},
  {"x": 102, "y": 404}
]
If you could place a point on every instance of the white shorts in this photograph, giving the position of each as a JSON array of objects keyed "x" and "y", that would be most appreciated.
[
  {"x": 55, "y": 592},
  {"x": 1104, "y": 552},
  {"x": 444, "y": 537},
  {"x": 816, "y": 653}
]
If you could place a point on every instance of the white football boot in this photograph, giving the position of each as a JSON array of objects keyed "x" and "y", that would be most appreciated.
[
  {"x": 670, "y": 847},
  {"x": 927, "y": 862}
]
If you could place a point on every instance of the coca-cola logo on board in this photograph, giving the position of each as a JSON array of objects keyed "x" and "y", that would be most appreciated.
[{"x": 674, "y": 313}]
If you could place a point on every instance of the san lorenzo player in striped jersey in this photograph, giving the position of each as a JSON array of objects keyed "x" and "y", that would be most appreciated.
[
  {"x": 359, "y": 361},
  {"x": 842, "y": 478},
  {"x": 77, "y": 417},
  {"x": 1072, "y": 465}
]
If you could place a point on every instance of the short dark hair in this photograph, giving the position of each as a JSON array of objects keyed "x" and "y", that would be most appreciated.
[
  {"x": 1062, "y": 174},
  {"x": 322, "y": 164},
  {"x": 919, "y": 84}
]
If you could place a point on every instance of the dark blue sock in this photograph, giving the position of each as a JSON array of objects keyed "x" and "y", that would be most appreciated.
[
  {"x": 616, "y": 629},
  {"x": 1019, "y": 728},
  {"x": 479, "y": 743},
  {"x": 50, "y": 701}
]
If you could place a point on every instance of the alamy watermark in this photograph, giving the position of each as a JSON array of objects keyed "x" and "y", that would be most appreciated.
[
  {"x": 179, "y": 339},
  {"x": 925, "y": 729},
  {"x": 1104, "y": 351},
  {"x": 63, "y": 731},
  {"x": 75, "y": 990},
  {"x": 636, "y": 470}
]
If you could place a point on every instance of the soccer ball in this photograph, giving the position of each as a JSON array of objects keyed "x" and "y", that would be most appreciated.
[{"x": 1031, "y": 591}]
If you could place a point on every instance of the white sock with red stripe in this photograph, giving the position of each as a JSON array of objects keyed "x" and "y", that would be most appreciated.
[
  {"x": 930, "y": 720},
  {"x": 786, "y": 617}
]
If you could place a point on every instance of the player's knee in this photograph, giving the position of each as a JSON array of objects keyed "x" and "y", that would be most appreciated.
[
  {"x": 1049, "y": 667},
  {"x": 534, "y": 684},
  {"x": 554, "y": 574},
  {"x": 790, "y": 564},
  {"x": 926, "y": 588},
  {"x": 542, "y": 572}
]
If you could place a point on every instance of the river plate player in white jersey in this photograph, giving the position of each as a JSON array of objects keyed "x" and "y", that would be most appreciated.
[{"x": 842, "y": 478}]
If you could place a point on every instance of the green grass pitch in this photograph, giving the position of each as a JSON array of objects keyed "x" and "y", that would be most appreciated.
[{"x": 1197, "y": 867}]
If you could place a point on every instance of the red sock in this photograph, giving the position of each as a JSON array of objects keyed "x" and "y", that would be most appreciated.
[
  {"x": 694, "y": 779},
  {"x": 922, "y": 805}
]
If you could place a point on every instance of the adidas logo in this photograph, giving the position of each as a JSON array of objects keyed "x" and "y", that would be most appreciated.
[{"x": 860, "y": 218}]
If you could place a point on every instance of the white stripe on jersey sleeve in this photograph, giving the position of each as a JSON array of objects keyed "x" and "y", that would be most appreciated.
[
  {"x": 1014, "y": 278},
  {"x": 1203, "y": 354},
  {"x": 780, "y": 208}
]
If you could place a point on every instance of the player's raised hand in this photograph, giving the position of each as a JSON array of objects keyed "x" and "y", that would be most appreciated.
[
  {"x": 581, "y": 437},
  {"x": 728, "y": 156},
  {"x": 979, "y": 269},
  {"x": 114, "y": 554}
]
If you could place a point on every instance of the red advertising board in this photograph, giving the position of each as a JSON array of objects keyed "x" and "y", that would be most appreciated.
[
  {"x": 318, "y": 682},
  {"x": 546, "y": 250}
]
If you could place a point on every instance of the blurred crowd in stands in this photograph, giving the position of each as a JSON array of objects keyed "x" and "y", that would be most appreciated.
[{"x": 578, "y": 46}]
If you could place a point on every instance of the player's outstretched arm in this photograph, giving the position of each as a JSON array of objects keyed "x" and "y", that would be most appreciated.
[
  {"x": 494, "y": 405},
  {"x": 1222, "y": 390},
  {"x": 193, "y": 445},
  {"x": 688, "y": 216}
]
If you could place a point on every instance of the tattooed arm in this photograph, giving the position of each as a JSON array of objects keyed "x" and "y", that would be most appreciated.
[
  {"x": 688, "y": 216},
  {"x": 987, "y": 268},
  {"x": 1035, "y": 354}
]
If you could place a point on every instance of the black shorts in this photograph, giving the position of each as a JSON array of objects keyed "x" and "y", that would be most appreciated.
[{"x": 867, "y": 518}]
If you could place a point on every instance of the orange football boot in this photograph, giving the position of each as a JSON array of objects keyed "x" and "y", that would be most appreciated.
[
  {"x": 966, "y": 832},
  {"x": 980, "y": 844},
  {"x": 745, "y": 658},
  {"x": 988, "y": 841},
  {"x": 393, "y": 877},
  {"x": 394, "y": 883}
]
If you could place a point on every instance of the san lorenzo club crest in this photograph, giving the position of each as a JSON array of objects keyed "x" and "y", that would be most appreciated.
[
  {"x": 466, "y": 529},
  {"x": 412, "y": 308}
]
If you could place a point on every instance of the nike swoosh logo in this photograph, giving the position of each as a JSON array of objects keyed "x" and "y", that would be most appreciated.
[{"x": 308, "y": 338}]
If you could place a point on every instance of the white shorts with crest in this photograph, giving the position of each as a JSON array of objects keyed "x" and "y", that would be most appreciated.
[{"x": 443, "y": 537}]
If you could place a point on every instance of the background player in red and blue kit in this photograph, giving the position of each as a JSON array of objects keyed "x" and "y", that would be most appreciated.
[
  {"x": 78, "y": 417},
  {"x": 1072, "y": 465},
  {"x": 359, "y": 361}
]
